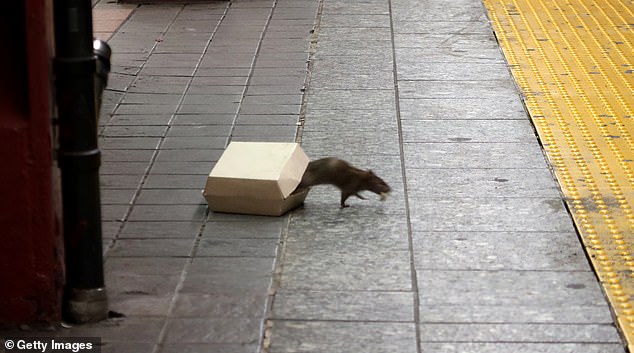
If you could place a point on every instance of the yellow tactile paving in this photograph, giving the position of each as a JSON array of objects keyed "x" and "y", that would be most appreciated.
[{"x": 574, "y": 62}]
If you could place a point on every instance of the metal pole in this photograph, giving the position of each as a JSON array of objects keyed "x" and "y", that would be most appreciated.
[{"x": 85, "y": 298}]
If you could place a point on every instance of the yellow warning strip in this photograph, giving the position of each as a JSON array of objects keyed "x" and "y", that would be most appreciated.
[{"x": 574, "y": 62}]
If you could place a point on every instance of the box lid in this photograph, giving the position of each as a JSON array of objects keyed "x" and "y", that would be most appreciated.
[{"x": 268, "y": 170}]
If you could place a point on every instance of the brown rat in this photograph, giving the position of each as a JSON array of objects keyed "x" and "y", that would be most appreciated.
[{"x": 341, "y": 174}]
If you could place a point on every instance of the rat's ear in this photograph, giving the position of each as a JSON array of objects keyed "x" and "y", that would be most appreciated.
[{"x": 370, "y": 172}]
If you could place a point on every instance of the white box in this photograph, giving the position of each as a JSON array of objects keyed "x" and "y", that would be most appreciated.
[{"x": 257, "y": 178}]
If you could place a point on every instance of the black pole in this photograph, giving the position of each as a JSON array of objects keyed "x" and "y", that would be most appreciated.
[{"x": 85, "y": 297}]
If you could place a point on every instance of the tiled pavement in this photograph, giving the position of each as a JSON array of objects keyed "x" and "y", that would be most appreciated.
[
  {"x": 108, "y": 16},
  {"x": 186, "y": 78},
  {"x": 473, "y": 252}
]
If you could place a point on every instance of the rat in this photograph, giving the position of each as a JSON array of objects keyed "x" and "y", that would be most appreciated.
[{"x": 348, "y": 179}]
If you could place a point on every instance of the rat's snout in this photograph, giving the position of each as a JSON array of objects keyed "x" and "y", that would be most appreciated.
[
  {"x": 384, "y": 188},
  {"x": 380, "y": 188}
]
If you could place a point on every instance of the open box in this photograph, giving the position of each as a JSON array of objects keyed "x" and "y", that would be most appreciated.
[{"x": 257, "y": 178}]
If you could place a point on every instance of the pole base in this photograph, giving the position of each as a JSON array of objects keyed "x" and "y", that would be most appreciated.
[{"x": 86, "y": 305}]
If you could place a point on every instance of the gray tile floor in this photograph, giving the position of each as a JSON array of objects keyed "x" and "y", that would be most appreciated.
[{"x": 472, "y": 252}]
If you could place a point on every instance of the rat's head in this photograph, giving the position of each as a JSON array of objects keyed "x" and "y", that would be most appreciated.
[{"x": 376, "y": 184}]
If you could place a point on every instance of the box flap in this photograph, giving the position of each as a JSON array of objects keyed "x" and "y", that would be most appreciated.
[{"x": 292, "y": 173}]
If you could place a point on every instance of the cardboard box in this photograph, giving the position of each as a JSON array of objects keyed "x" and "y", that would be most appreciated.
[{"x": 257, "y": 178}]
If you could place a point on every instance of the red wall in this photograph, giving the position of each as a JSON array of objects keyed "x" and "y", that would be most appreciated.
[{"x": 31, "y": 258}]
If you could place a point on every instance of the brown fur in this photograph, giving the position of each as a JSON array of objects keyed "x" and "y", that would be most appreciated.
[{"x": 348, "y": 179}]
